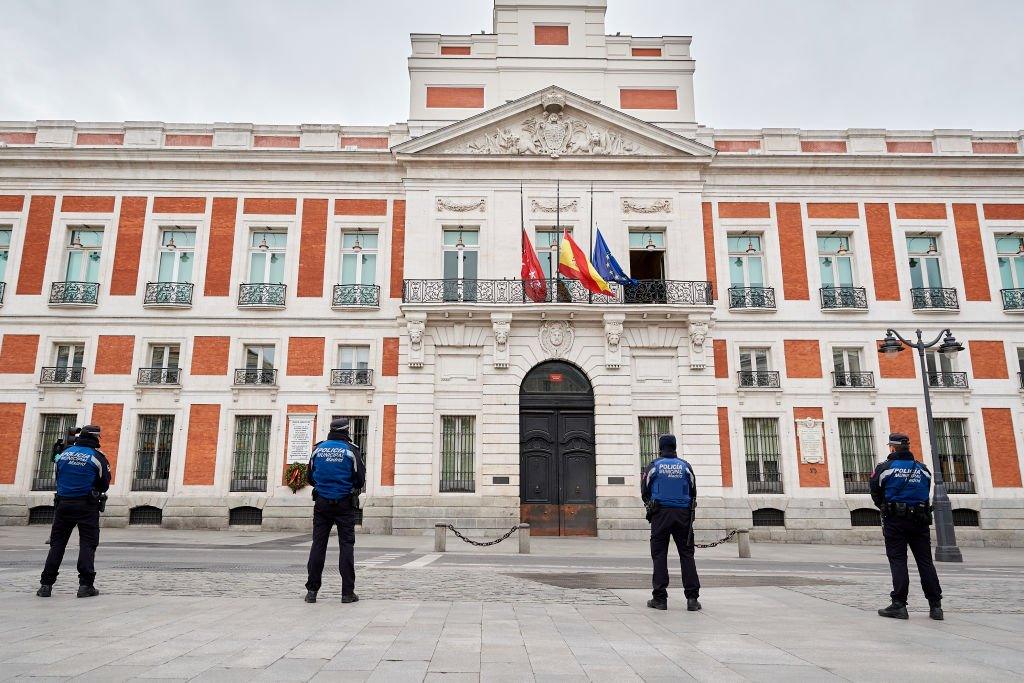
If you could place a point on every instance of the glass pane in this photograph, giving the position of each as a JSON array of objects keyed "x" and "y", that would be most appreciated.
[
  {"x": 916, "y": 274},
  {"x": 853, "y": 360},
  {"x": 845, "y": 268},
  {"x": 172, "y": 356},
  {"x": 736, "y": 272},
  {"x": 257, "y": 266},
  {"x": 929, "y": 361},
  {"x": 157, "y": 357},
  {"x": 252, "y": 357},
  {"x": 761, "y": 357},
  {"x": 185, "y": 266},
  {"x": 74, "y": 271},
  {"x": 362, "y": 357},
  {"x": 827, "y": 278},
  {"x": 165, "y": 272},
  {"x": 63, "y": 353},
  {"x": 79, "y": 355},
  {"x": 745, "y": 361},
  {"x": 1004, "y": 245},
  {"x": 368, "y": 276},
  {"x": 348, "y": 269},
  {"x": 451, "y": 265},
  {"x": 4, "y": 255},
  {"x": 5, "y": 238},
  {"x": 1019, "y": 270},
  {"x": 92, "y": 266},
  {"x": 469, "y": 261},
  {"x": 470, "y": 238},
  {"x": 559, "y": 378},
  {"x": 838, "y": 360},
  {"x": 268, "y": 358},
  {"x": 276, "y": 274},
  {"x": 756, "y": 271},
  {"x": 643, "y": 239},
  {"x": 934, "y": 274}
]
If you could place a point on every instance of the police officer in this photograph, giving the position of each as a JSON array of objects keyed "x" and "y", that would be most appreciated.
[
  {"x": 83, "y": 476},
  {"x": 669, "y": 490},
  {"x": 337, "y": 473},
  {"x": 899, "y": 487}
]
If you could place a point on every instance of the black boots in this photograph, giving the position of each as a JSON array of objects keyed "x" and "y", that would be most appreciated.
[
  {"x": 87, "y": 592},
  {"x": 351, "y": 597},
  {"x": 693, "y": 605},
  {"x": 935, "y": 611},
  {"x": 655, "y": 603},
  {"x": 897, "y": 610},
  {"x": 44, "y": 591},
  {"x": 310, "y": 596}
]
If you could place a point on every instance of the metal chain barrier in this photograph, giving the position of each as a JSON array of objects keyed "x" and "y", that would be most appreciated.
[
  {"x": 483, "y": 544},
  {"x": 728, "y": 536}
]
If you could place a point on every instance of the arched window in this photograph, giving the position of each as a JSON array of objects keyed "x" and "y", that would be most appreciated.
[
  {"x": 245, "y": 516},
  {"x": 145, "y": 515},
  {"x": 556, "y": 377},
  {"x": 965, "y": 517},
  {"x": 769, "y": 517},
  {"x": 865, "y": 517}
]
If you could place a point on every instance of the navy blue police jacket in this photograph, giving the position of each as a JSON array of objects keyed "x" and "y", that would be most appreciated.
[
  {"x": 336, "y": 469},
  {"x": 900, "y": 479},
  {"x": 81, "y": 469},
  {"x": 670, "y": 482}
]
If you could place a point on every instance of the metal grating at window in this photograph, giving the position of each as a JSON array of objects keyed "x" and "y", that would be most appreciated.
[
  {"x": 145, "y": 515},
  {"x": 251, "y": 453},
  {"x": 769, "y": 517},
  {"x": 865, "y": 517},
  {"x": 457, "y": 454},
  {"x": 761, "y": 449},
  {"x": 53, "y": 426},
  {"x": 856, "y": 445},
  {"x": 650, "y": 429},
  {"x": 954, "y": 454},
  {"x": 358, "y": 426},
  {"x": 965, "y": 517},
  {"x": 245, "y": 516},
  {"x": 153, "y": 453},
  {"x": 41, "y": 514}
]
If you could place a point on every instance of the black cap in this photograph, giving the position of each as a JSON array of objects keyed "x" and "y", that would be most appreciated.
[
  {"x": 91, "y": 429},
  {"x": 897, "y": 439},
  {"x": 667, "y": 443},
  {"x": 339, "y": 424}
]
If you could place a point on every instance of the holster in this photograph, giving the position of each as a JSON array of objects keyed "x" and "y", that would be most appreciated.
[
  {"x": 653, "y": 507},
  {"x": 99, "y": 499},
  {"x": 353, "y": 500}
]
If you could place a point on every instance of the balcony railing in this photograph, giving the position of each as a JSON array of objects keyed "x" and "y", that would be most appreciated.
[
  {"x": 947, "y": 380},
  {"x": 853, "y": 380},
  {"x": 672, "y": 292},
  {"x": 752, "y": 297},
  {"x": 74, "y": 293},
  {"x": 764, "y": 486},
  {"x": 350, "y": 377},
  {"x": 759, "y": 379},
  {"x": 261, "y": 295},
  {"x": 168, "y": 294},
  {"x": 170, "y": 376},
  {"x": 62, "y": 375},
  {"x": 356, "y": 295},
  {"x": 3, "y": 290},
  {"x": 934, "y": 298},
  {"x": 838, "y": 298},
  {"x": 1013, "y": 299},
  {"x": 255, "y": 377}
]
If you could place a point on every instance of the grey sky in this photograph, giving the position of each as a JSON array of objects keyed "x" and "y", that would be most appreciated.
[{"x": 760, "y": 63}]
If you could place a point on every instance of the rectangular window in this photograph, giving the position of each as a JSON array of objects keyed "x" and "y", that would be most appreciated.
[
  {"x": 259, "y": 357},
  {"x": 925, "y": 262},
  {"x": 458, "y": 445},
  {"x": 761, "y": 449},
  {"x": 1010, "y": 251},
  {"x": 251, "y": 453},
  {"x": 359, "y": 257},
  {"x": 650, "y": 429},
  {"x": 177, "y": 254},
  {"x": 165, "y": 356},
  {"x": 746, "y": 261},
  {"x": 755, "y": 359},
  {"x": 153, "y": 453},
  {"x": 354, "y": 357},
  {"x": 846, "y": 360},
  {"x": 267, "y": 256},
  {"x": 546, "y": 243},
  {"x": 953, "y": 445},
  {"x": 69, "y": 355},
  {"x": 647, "y": 254},
  {"x": 83, "y": 254},
  {"x": 857, "y": 448},
  {"x": 52, "y": 426},
  {"x": 1020, "y": 360},
  {"x": 835, "y": 259},
  {"x": 461, "y": 260},
  {"x": 5, "y": 249}
]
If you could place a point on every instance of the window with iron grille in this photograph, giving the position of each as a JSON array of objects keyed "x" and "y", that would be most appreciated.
[
  {"x": 52, "y": 426},
  {"x": 41, "y": 514},
  {"x": 761, "y": 448},
  {"x": 153, "y": 453},
  {"x": 251, "y": 453},
  {"x": 458, "y": 453},
  {"x": 951, "y": 439},
  {"x": 357, "y": 426},
  {"x": 245, "y": 516},
  {"x": 857, "y": 445},
  {"x": 145, "y": 515},
  {"x": 650, "y": 429},
  {"x": 865, "y": 517},
  {"x": 769, "y": 517},
  {"x": 965, "y": 517}
]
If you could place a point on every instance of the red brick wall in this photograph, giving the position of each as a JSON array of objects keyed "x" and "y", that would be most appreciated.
[
  {"x": 125, "y": 276},
  {"x": 87, "y": 204},
  {"x": 364, "y": 142},
  {"x": 455, "y": 49},
  {"x": 1002, "y": 447},
  {"x": 11, "y": 202},
  {"x": 306, "y": 356},
  {"x": 100, "y": 139},
  {"x": 725, "y": 447},
  {"x": 902, "y": 365},
  {"x": 823, "y": 210},
  {"x": 389, "y": 357},
  {"x": 279, "y": 141},
  {"x": 387, "y": 450},
  {"x": 883, "y": 255},
  {"x": 737, "y": 145},
  {"x": 833, "y": 146},
  {"x": 812, "y": 475},
  {"x": 108, "y": 417},
  {"x": 175, "y": 140},
  {"x": 1004, "y": 212},
  {"x": 18, "y": 354},
  {"x": 647, "y": 98},
  {"x": 220, "y": 246},
  {"x": 794, "y": 258},
  {"x": 920, "y": 211},
  {"x": 312, "y": 247},
  {"x": 360, "y": 207},
  {"x": 18, "y": 138},
  {"x": 994, "y": 147},
  {"x": 201, "y": 444},
  {"x": 550, "y": 35},
  {"x": 12, "y": 417},
  {"x": 179, "y": 205},
  {"x": 114, "y": 354},
  {"x": 803, "y": 358},
  {"x": 904, "y": 421},
  {"x": 988, "y": 359},
  {"x": 37, "y": 243},
  {"x": 972, "y": 257},
  {"x": 908, "y": 147},
  {"x": 441, "y": 97},
  {"x": 710, "y": 267},
  {"x": 646, "y": 51},
  {"x": 269, "y": 206},
  {"x": 744, "y": 210},
  {"x": 397, "y": 248},
  {"x": 721, "y": 359},
  {"x": 210, "y": 355}
]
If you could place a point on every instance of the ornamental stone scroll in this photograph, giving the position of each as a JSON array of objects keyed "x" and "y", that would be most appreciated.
[
  {"x": 698, "y": 337},
  {"x": 415, "y": 325},
  {"x": 501, "y": 323},
  {"x": 613, "y": 339}
]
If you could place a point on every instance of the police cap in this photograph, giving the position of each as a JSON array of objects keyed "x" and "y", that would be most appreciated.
[
  {"x": 339, "y": 424},
  {"x": 94, "y": 430},
  {"x": 897, "y": 439}
]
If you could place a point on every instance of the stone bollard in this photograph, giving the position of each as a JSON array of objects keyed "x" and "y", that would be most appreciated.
[
  {"x": 524, "y": 539},
  {"x": 440, "y": 535},
  {"x": 743, "y": 541}
]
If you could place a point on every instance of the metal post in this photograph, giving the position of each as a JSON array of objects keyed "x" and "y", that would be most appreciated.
[
  {"x": 524, "y": 539},
  {"x": 440, "y": 535},
  {"x": 743, "y": 541}
]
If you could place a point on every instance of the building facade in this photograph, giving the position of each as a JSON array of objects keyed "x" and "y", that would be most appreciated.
[{"x": 213, "y": 294}]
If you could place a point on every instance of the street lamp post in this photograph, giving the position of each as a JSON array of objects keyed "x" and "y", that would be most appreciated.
[{"x": 946, "y": 549}]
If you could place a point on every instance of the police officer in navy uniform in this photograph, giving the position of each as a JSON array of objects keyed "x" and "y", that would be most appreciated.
[
  {"x": 337, "y": 473},
  {"x": 83, "y": 476},
  {"x": 900, "y": 487},
  {"x": 669, "y": 490}
]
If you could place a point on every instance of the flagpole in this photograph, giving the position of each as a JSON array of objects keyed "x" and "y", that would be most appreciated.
[
  {"x": 558, "y": 227},
  {"x": 591, "y": 226},
  {"x": 522, "y": 229}
]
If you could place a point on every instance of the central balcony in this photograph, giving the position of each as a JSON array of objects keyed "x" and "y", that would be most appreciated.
[
  {"x": 361, "y": 296},
  {"x": 759, "y": 379},
  {"x": 1013, "y": 299},
  {"x": 261, "y": 295},
  {"x": 168, "y": 294},
  {"x": 853, "y": 380},
  {"x": 844, "y": 299},
  {"x": 351, "y": 377},
  {"x": 159, "y": 376},
  {"x": 752, "y": 298},
  {"x": 934, "y": 299},
  {"x": 74, "y": 293},
  {"x": 61, "y": 375},
  {"x": 255, "y": 377},
  {"x": 947, "y": 380},
  {"x": 563, "y": 291}
]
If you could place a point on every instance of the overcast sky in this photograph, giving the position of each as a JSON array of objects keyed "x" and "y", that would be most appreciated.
[{"x": 760, "y": 63}]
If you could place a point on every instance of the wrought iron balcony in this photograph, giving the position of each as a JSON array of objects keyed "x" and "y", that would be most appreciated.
[
  {"x": 169, "y": 294},
  {"x": 764, "y": 486},
  {"x": 853, "y": 380},
  {"x": 356, "y": 295},
  {"x": 1013, "y": 299},
  {"x": 752, "y": 297},
  {"x": 158, "y": 376},
  {"x": 671, "y": 292},
  {"x": 63, "y": 375},
  {"x": 947, "y": 380},
  {"x": 351, "y": 377},
  {"x": 838, "y": 298},
  {"x": 74, "y": 293},
  {"x": 3, "y": 290},
  {"x": 261, "y": 295},
  {"x": 934, "y": 299},
  {"x": 255, "y": 377},
  {"x": 759, "y": 379}
]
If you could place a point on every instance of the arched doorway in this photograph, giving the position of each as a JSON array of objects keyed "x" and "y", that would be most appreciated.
[{"x": 557, "y": 465}]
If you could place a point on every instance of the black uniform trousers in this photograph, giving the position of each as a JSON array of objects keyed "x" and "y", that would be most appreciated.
[
  {"x": 676, "y": 524},
  {"x": 327, "y": 515},
  {"x": 900, "y": 532},
  {"x": 83, "y": 513}
]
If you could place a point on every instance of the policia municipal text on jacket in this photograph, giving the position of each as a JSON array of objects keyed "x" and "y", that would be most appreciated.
[{"x": 900, "y": 488}]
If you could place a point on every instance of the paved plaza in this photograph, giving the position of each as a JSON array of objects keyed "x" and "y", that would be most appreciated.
[{"x": 213, "y": 606}]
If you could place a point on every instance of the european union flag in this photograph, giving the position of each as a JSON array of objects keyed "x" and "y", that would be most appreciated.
[{"x": 606, "y": 265}]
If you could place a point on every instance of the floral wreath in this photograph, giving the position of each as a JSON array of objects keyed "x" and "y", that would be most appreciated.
[{"x": 295, "y": 476}]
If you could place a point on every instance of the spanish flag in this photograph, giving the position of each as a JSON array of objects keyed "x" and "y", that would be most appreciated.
[{"x": 573, "y": 263}]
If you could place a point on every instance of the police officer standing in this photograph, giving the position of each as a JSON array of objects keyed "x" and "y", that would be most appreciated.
[
  {"x": 337, "y": 473},
  {"x": 669, "y": 490},
  {"x": 83, "y": 476},
  {"x": 900, "y": 487}
]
